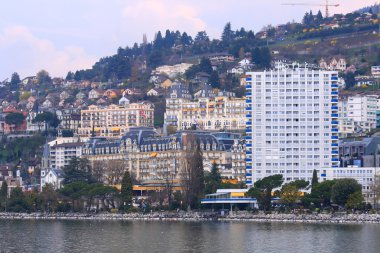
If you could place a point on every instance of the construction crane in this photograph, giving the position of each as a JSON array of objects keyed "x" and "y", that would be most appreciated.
[{"x": 326, "y": 5}]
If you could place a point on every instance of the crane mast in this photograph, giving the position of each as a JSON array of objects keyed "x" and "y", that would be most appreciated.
[{"x": 326, "y": 5}]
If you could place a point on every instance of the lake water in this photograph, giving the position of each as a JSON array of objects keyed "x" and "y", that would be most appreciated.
[{"x": 139, "y": 236}]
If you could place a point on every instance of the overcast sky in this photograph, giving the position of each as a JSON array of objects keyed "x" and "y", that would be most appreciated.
[{"x": 63, "y": 35}]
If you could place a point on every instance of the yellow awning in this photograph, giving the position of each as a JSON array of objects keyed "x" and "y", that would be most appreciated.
[
  {"x": 154, "y": 154},
  {"x": 115, "y": 128},
  {"x": 237, "y": 194}
]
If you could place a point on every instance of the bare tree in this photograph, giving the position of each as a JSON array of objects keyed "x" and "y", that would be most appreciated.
[
  {"x": 375, "y": 190},
  {"x": 192, "y": 171},
  {"x": 114, "y": 171},
  {"x": 169, "y": 184},
  {"x": 98, "y": 169}
]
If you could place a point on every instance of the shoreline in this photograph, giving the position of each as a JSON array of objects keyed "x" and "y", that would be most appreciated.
[{"x": 202, "y": 217}]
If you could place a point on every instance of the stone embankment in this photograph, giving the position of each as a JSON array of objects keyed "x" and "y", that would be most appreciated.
[
  {"x": 202, "y": 216},
  {"x": 306, "y": 218}
]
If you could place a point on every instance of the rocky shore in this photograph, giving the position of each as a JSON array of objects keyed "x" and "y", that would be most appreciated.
[{"x": 202, "y": 216}]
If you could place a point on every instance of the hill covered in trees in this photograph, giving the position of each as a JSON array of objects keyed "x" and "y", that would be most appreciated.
[{"x": 171, "y": 47}]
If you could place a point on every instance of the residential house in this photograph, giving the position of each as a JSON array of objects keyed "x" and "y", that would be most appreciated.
[
  {"x": 101, "y": 101},
  {"x": 69, "y": 119},
  {"x": 47, "y": 104},
  {"x": 335, "y": 63},
  {"x": 221, "y": 57},
  {"x": 364, "y": 81},
  {"x": 28, "y": 80},
  {"x": 34, "y": 126},
  {"x": 53, "y": 177},
  {"x": 64, "y": 95},
  {"x": 29, "y": 105},
  {"x": 31, "y": 99},
  {"x": 112, "y": 93},
  {"x": 85, "y": 84},
  {"x": 155, "y": 92},
  {"x": 12, "y": 179},
  {"x": 124, "y": 101},
  {"x": 80, "y": 103},
  {"x": 95, "y": 94},
  {"x": 236, "y": 71},
  {"x": 12, "y": 128},
  {"x": 245, "y": 63},
  {"x": 167, "y": 84},
  {"x": 81, "y": 95},
  {"x": 131, "y": 91}
]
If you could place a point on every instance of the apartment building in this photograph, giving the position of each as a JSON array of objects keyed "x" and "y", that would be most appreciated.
[
  {"x": 362, "y": 109},
  {"x": 59, "y": 152},
  {"x": 292, "y": 122},
  {"x": 115, "y": 120},
  {"x": 368, "y": 177}
]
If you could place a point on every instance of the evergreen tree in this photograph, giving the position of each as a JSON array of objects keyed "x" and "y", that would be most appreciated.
[
  {"x": 266, "y": 57},
  {"x": 262, "y": 190},
  {"x": 205, "y": 65},
  {"x": 311, "y": 17},
  {"x": 214, "y": 79},
  {"x": 78, "y": 169},
  {"x": 126, "y": 192},
  {"x": 155, "y": 58},
  {"x": 159, "y": 41},
  {"x": 227, "y": 35},
  {"x": 77, "y": 76},
  {"x": 319, "y": 16},
  {"x": 18, "y": 201},
  {"x": 342, "y": 190},
  {"x": 169, "y": 39},
  {"x": 15, "y": 118},
  {"x": 202, "y": 37},
  {"x": 213, "y": 180},
  {"x": 70, "y": 76},
  {"x": 306, "y": 19},
  {"x": 15, "y": 82},
  {"x": 314, "y": 180},
  {"x": 251, "y": 35},
  {"x": 4, "y": 190},
  {"x": 256, "y": 55},
  {"x": 349, "y": 80},
  {"x": 185, "y": 39}
]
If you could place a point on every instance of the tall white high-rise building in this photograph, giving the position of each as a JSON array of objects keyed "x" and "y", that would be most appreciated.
[{"x": 292, "y": 122}]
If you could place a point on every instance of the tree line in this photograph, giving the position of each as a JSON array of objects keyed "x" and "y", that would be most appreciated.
[
  {"x": 346, "y": 193},
  {"x": 92, "y": 187}
]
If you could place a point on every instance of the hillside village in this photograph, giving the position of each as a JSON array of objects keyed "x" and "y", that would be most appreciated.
[{"x": 143, "y": 102}]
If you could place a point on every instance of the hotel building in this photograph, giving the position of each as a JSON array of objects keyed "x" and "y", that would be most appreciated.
[
  {"x": 152, "y": 158},
  {"x": 115, "y": 120},
  {"x": 292, "y": 122}
]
